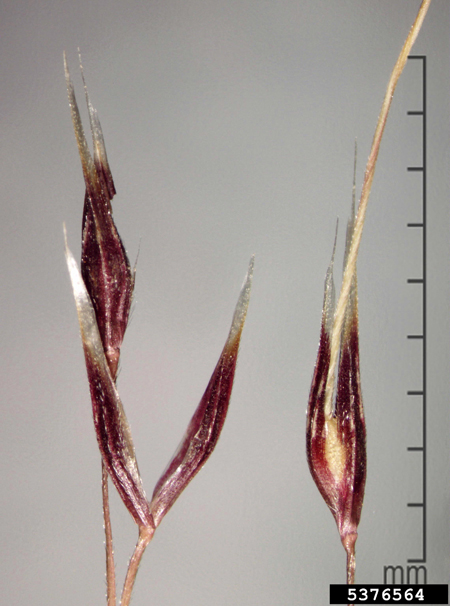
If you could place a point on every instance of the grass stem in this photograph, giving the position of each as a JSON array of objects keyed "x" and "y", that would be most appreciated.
[
  {"x": 145, "y": 536},
  {"x": 110, "y": 567}
]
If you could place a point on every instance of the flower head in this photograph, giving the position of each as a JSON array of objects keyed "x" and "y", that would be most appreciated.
[
  {"x": 103, "y": 293},
  {"x": 336, "y": 435}
]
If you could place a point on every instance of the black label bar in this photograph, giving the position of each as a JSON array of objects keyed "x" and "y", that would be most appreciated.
[{"x": 389, "y": 594}]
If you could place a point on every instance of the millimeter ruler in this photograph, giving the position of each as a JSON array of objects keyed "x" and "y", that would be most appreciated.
[{"x": 415, "y": 571}]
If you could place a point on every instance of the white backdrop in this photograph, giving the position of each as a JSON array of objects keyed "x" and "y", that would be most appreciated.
[{"x": 229, "y": 128}]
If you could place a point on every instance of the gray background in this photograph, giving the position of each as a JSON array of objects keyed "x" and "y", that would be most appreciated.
[{"x": 230, "y": 129}]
